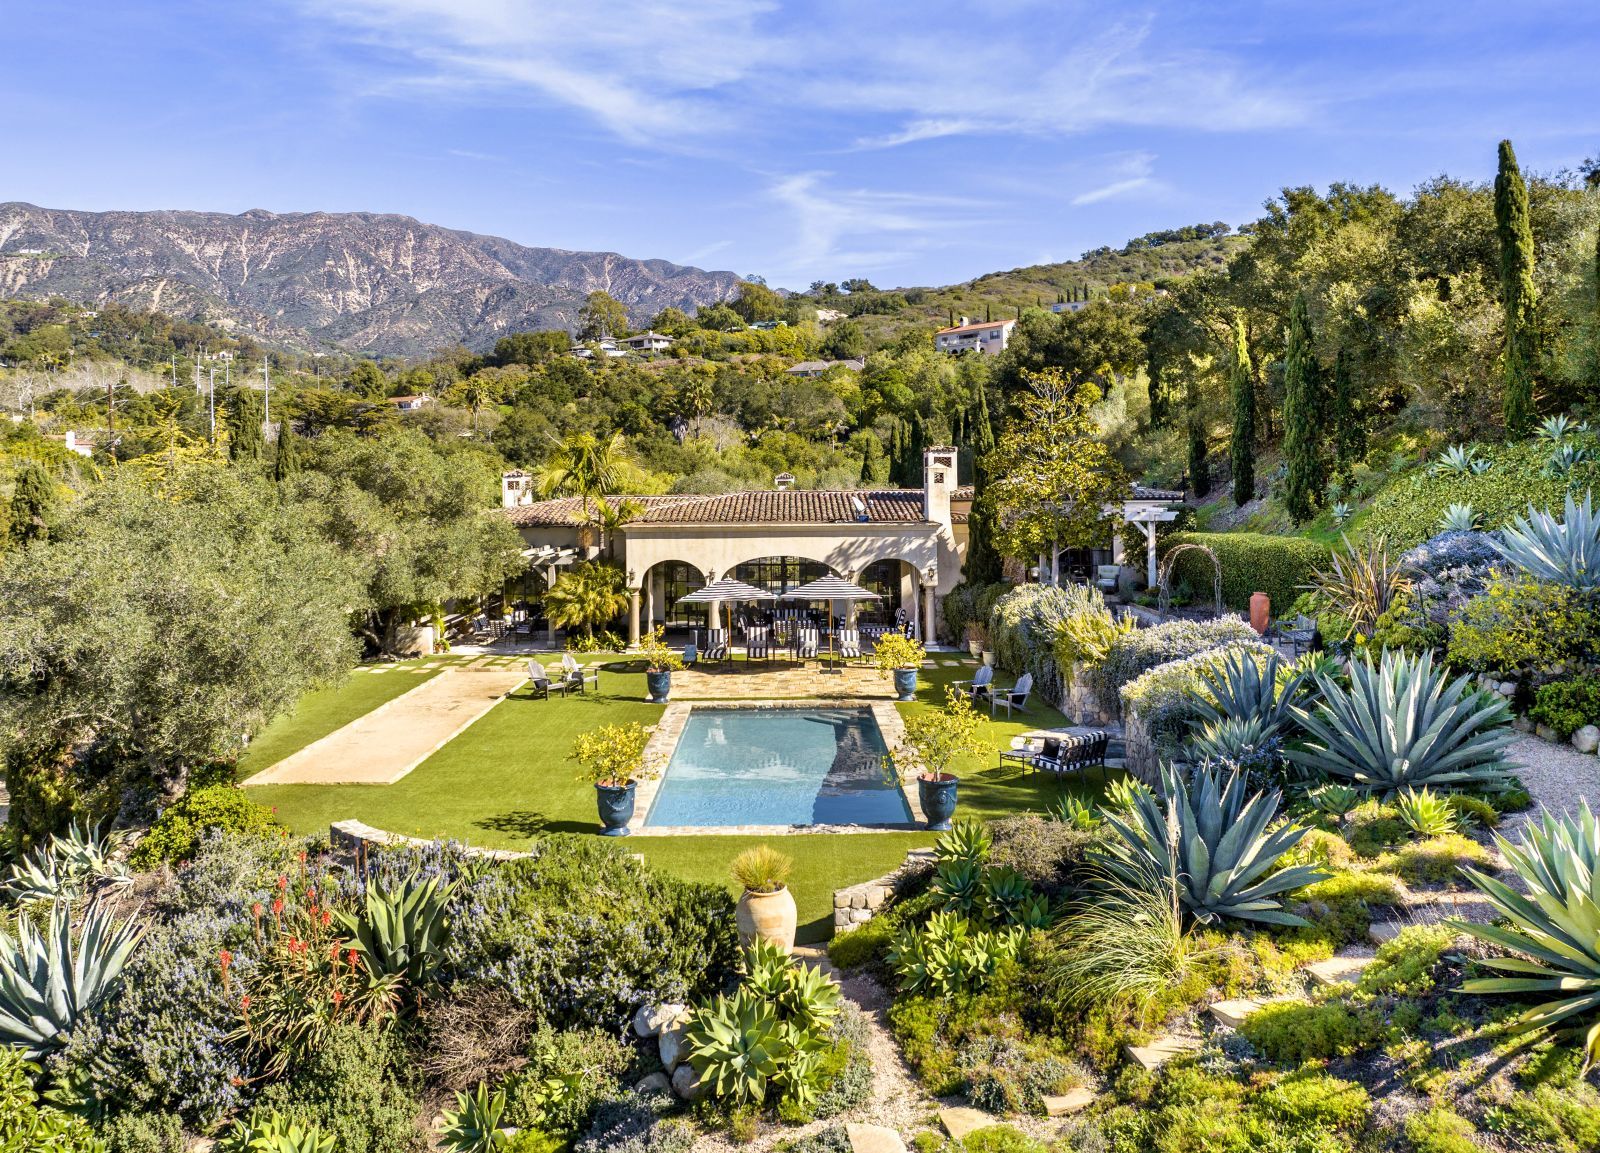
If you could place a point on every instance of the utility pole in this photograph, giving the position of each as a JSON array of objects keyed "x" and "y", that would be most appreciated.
[
  {"x": 211, "y": 405},
  {"x": 266, "y": 386},
  {"x": 174, "y": 370}
]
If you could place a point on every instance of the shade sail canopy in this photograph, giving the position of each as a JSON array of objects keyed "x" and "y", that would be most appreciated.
[
  {"x": 830, "y": 588},
  {"x": 726, "y": 589}
]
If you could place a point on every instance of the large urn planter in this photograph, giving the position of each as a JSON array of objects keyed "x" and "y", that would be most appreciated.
[
  {"x": 770, "y": 917},
  {"x": 905, "y": 684},
  {"x": 616, "y": 808},
  {"x": 660, "y": 685},
  {"x": 938, "y": 798}
]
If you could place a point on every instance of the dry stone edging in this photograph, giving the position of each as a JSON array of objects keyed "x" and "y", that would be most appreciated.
[{"x": 857, "y": 904}]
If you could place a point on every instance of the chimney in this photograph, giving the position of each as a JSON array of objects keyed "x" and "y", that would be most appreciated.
[
  {"x": 783, "y": 482},
  {"x": 963, "y": 321},
  {"x": 938, "y": 481},
  {"x": 516, "y": 488}
]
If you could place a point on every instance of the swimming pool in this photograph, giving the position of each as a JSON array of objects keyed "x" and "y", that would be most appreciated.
[{"x": 778, "y": 766}]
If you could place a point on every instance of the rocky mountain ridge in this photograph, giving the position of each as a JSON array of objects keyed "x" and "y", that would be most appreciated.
[{"x": 365, "y": 282}]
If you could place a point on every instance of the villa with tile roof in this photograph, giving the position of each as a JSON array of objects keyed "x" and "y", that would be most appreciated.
[{"x": 907, "y": 545}]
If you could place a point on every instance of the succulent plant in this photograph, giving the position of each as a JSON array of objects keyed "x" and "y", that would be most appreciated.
[
  {"x": 1401, "y": 723},
  {"x": 1004, "y": 892},
  {"x": 67, "y": 865},
  {"x": 798, "y": 992},
  {"x": 1459, "y": 460},
  {"x": 47, "y": 983},
  {"x": 1239, "y": 687},
  {"x": 1341, "y": 512},
  {"x": 1565, "y": 552},
  {"x": 473, "y": 1126},
  {"x": 1335, "y": 800},
  {"x": 1565, "y": 457},
  {"x": 1245, "y": 743},
  {"x": 967, "y": 840},
  {"x": 1212, "y": 839},
  {"x": 1459, "y": 518},
  {"x": 270, "y": 1133},
  {"x": 403, "y": 930},
  {"x": 1124, "y": 794},
  {"x": 961, "y": 885},
  {"x": 740, "y": 1048},
  {"x": 1071, "y": 809},
  {"x": 1557, "y": 428},
  {"x": 949, "y": 955},
  {"x": 1554, "y": 933},
  {"x": 1425, "y": 812}
]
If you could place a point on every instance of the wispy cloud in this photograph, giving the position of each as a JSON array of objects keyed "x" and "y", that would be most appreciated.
[{"x": 1124, "y": 176}]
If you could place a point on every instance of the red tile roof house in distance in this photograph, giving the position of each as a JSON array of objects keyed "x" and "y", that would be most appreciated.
[
  {"x": 990, "y": 337},
  {"x": 923, "y": 531}
]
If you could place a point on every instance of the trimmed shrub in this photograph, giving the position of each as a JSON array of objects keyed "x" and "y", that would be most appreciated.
[
  {"x": 177, "y": 833},
  {"x": 1410, "y": 507},
  {"x": 1022, "y": 632},
  {"x": 1251, "y": 562},
  {"x": 967, "y": 604},
  {"x": 1167, "y": 697},
  {"x": 1566, "y": 706},
  {"x": 1137, "y": 653}
]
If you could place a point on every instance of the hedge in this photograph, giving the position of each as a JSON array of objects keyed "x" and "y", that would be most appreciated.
[
  {"x": 1131, "y": 656},
  {"x": 1409, "y": 509},
  {"x": 1168, "y": 697},
  {"x": 1251, "y": 562},
  {"x": 1022, "y": 632}
]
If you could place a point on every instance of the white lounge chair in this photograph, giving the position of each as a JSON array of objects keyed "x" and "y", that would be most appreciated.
[
  {"x": 979, "y": 685},
  {"x": 577, "y": 675},
  {"x": 1014, "y": 697}
]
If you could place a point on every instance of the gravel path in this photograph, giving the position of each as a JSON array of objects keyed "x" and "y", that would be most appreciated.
[{"x": 1557, "y": 776}]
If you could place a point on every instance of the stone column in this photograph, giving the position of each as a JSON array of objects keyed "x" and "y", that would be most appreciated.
[
  {"x": 714, "y": 613},
  {"x": 1150, "y": 552},
  {"x": 633, "y": 618},
  {"x": 928, "y": 632},
  {"x": 549, "y": 625}
]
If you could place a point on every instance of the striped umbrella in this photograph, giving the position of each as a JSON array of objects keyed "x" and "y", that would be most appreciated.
[
  {"x": 726, "y": 589},
  {"x": 830, "y": 588}
]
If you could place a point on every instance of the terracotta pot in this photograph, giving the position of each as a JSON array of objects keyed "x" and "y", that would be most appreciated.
[
  {"x": 1260, "y": 612},
  {"x": 769, "y": 916}
]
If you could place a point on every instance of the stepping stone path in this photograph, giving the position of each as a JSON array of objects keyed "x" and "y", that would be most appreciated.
[
  {"x": 873, "y": 1139},
  {"x": 958, "y": 1122},
  {"x": 1072, "y": 1101},
  {"x": 1338, "y": 969},
  {"x": 1163, "y": 1049},
  {"x": 1382, "y": 932},
  {"x": 1233, "y": 1013}
]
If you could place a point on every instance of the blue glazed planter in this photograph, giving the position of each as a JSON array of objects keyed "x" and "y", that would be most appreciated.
[
  {"x": 660, "y": 685},
  {"x": 905, "y": 684},
  {"x": 616, "y": 808},
  {"x": 938, "y": 800}
]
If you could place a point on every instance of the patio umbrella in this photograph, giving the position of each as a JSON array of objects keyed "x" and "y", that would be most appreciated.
[
  {"x": 726, "y": 589},
  {"x": 830, "y": 588}
]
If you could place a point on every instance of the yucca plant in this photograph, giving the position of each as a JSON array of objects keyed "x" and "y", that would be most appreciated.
[
  {"x": 1400, "y": 723},
  {"x": 473, "y": 1126},
  {"x": 1425, "y": 812},
  {"x": 1459, "y": 518},
  {"x": 1565, "y": 552},
  {"x": 1361, "y": 584},
  {"x": 270, "y": 1133},
  {"x": 1554, "y": 930},
  {"x": 403, "y": 929},
  {"x": 1213, "y": 838},
  {"x": 48, "y": 982}
]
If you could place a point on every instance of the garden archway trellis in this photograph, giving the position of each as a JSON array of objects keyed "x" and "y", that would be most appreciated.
[{"x": 1164, "y": 583}]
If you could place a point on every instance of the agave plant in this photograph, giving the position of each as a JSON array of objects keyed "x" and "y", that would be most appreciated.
[
  {"x": 1335, "y": 800},
  {"x": 1564, "y": 553},
  {"x": 1123, "y": 795},
  {"x": 960, "y": 883},
  {"x": 1245, "y": 743},
  {"x": 1557, "y": 428},
  {"x": 47, "y": 983},
  {"x": 949, "y": 955},
  {"x": 270, "y": 1133},
  {"x": 1241, "y": 689},
  {"x": 1401, "y": 724},
  {"x": 1361, "y": 584},
  {"x": 404, "y": 928},
  {"x": 739, "y": 1047},
  {"x": 1565, "y": 457},
  {"x": 1554, "y": 930},
  {"x": 1071, "y": 809},
  {"x": 473, "y": 1126},
  {"x": 967, "y": 840},
  {"x": 1004, "y": 892},
  {"x": 1212, "y": 838},
  {"x": 1459, "y": 460},
  {"x": 1425, "y": 812},
  {"x": 65, "y": 866},
  {"x": 1459, "y": 518},
  {"x": 1341, "y": 512},
  {"x": 799, "y": 993}
]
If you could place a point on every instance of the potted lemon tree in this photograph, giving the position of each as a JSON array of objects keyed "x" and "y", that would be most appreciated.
[
  {"x": 661, "y": 661},
  {"x": 901, "y": 656},
  {"x": 613, "y": 760},
  {"x": 766, "y": 910},
  {"x": 934, "y": 738}
]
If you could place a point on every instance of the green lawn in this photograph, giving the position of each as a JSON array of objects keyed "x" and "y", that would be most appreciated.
[{"x": 507, "y": 779}]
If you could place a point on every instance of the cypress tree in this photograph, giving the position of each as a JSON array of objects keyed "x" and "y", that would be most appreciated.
[
  {"x": 33, "y": 505},
  {"x": 245, "y": 441},
  {"x": 1242, "y": 449},
  {"x": 1199, "y": 466},
  {"x": 1302, "y": 416},
  {"x": 987, "y": 314},
  {"x": 1520, "y": 296},
  {"x": 1153, "y": 364},
  {"x": 286, "y": 462},
  {"x": 1349, "y": 433},
  {"x": 981, "y": 427}
]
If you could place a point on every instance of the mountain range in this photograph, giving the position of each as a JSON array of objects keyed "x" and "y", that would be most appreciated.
[{"x": 365, "y": 282}]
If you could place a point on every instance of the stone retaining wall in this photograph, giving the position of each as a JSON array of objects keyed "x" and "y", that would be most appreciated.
[
  {"x": 356, "y": 837},
  {"x": 1081, "y": 703},
  {"x": 855, "y": 906},
  {"x": 1140, "y": 757}
]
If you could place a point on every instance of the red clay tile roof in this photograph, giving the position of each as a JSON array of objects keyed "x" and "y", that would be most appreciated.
[
  {"x": 1140, "y": 492},
  {"x": 795, "y": 506}
]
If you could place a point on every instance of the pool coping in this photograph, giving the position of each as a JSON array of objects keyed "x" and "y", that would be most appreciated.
[{"x": 669, "y": 729}]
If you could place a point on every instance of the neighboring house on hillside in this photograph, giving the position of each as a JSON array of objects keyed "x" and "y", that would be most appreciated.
[
  {"x": 648, "y": 342},
  {"x": 811, "y": 369},
  {"x": 410, "y": 403},
  {"x": 989, "y": 337},
  {"x": 1069, "y": 306},
  {"x": 605, "y": 344},
  {"x": 81, "y": 447},
  {"x": 829, "y": 315}
]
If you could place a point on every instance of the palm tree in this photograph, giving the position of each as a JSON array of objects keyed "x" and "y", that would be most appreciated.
[
  {"x": 610, "y": 515},
  {"x": 582, "y": 463},
  {"x": 589, "y": 594}
]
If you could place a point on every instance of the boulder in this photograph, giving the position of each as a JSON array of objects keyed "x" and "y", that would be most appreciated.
[
  {"x": 648, "y": 1020},
  {"x": 1546, "y": 733},
  {"x": 1586, "y": 739},
  {"x": 686, "y": 1083},
  {"x": 673, "y": 1046},
  {"x": 654, "y": 1085},
  {"x": 959, "y": 1122},
  {"x": 873, "y": 1139}
]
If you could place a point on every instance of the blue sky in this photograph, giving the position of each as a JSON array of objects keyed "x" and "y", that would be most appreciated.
[{"x": 912, "y": 143}]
